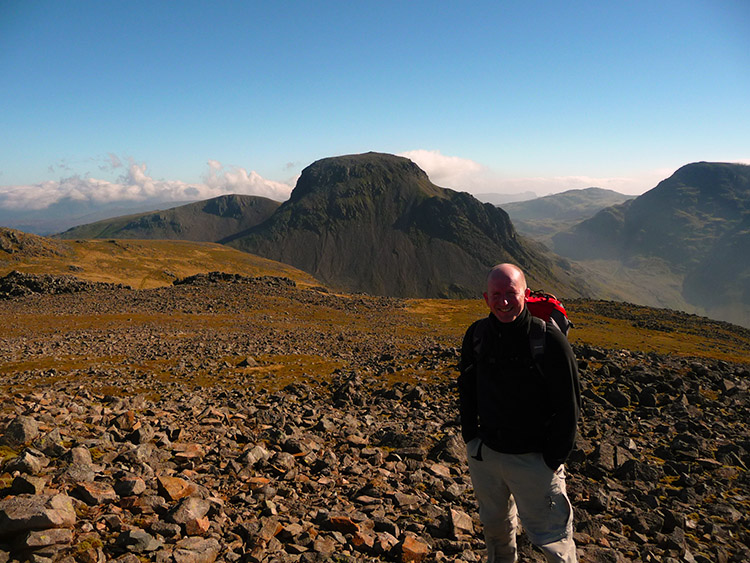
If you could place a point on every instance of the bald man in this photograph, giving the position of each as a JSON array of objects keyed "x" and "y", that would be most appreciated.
[{"x": 519, "y": 413}]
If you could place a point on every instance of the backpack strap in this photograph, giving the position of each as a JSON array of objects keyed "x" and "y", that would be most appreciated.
[
  {"x": 537, "y": 338},
  {"x": 478, "y": 336}
]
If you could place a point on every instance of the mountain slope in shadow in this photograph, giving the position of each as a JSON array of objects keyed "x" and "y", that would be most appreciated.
[{"x": 375, "y": 223}]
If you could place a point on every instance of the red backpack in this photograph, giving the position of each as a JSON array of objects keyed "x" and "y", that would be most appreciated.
[{"x": 548, "y": 308}]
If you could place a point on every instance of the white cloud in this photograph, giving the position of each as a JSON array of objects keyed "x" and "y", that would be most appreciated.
[
  {"x": 237, "y": 180},
  {"x": 447, "y": 171},
  {"x": 137, "y": 186},
  {"x": 467, "y": 175}
]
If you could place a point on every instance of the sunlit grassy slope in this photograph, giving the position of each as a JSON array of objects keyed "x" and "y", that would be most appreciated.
[
  {"x": 618, "y": 326},
  {"x": 143, "y": 264}
]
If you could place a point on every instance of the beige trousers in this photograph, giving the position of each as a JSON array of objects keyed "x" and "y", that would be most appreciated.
[{"x": 512, "y": 486}]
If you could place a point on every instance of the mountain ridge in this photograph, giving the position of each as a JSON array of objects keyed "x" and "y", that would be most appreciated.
[
  {"x": 203, "y": 221},
  {"x": 694, "y": 223}
]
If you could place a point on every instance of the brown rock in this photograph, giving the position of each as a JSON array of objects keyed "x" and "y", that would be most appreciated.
[
  {"x": 413, "y": 549},
  {"x": 197, "y": 526},
  {"x": 175, "y": 488},
  {"x": 462, "y": 526},
  {"x": 343, "y": 524},
  {"x": 196, "y": 550},
  {"x": 94, "y": 493}
]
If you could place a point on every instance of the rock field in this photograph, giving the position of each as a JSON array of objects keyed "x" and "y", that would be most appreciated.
[{"x": 238, "y": 419}]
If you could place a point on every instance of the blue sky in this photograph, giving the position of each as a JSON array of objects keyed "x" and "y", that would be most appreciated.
[{"x": 129, "y": 100}]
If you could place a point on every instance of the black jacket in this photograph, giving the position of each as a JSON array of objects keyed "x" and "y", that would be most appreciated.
[{"x": 507, "y": 402}]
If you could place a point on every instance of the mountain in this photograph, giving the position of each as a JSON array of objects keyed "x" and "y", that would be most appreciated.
[
  {"x": 689, "y": 236},
  {"x": 69, "y": 212},
  {"x": 210, "y": 220},
  {"x": 543, "y": 217},
  {"x": 375, "y": 223}
]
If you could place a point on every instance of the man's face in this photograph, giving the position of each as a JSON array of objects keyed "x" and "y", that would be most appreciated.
[{"x": 506, "y": 297}]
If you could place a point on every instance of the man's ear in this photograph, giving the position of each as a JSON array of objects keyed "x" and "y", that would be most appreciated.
[
  {"x": 486, "y": 300},
  {"x": 527, "y": 293}
]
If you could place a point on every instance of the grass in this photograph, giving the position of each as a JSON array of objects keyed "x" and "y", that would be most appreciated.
[{"x": 144, "y": 264}]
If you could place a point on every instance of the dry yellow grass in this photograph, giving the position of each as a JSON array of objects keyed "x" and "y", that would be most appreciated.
[
  {"x": 144, "y": 264},
  {"x": 642, "y": 329}
]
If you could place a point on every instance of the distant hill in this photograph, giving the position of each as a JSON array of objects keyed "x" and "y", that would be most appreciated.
[
  {"x": 375, "y": 223},
  {"x": 69, "y": 212},
  {"x": 543, "y": 217},
  {"x": 683, "y": 244},
  {"x": 210, "y": 221},
  {"x": 500, "y": 199}
]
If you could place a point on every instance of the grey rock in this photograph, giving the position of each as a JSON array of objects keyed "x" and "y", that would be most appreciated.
[
  {"x": 36, "y": 512},
  {"x": 42, "y": 538},
  {"x": 138, "y": 541},
  {"x": 21, "y": 430},
  {"x": 30, "y": 461}
]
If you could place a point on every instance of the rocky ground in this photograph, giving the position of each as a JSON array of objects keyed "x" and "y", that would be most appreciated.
[{"x": 234, "y": 419}]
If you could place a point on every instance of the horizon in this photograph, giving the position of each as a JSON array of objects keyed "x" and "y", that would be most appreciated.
[{"x": 132, "y": 102}]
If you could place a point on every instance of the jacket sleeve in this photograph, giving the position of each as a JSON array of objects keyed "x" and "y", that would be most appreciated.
[
  {"x": 467, "y": 388},
  {"x": 561, "y": 367}
]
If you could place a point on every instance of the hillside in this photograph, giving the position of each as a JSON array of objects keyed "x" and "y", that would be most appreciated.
[
  {"x": 683, "y": 244},
  {"x": 135, "y": 263},
  {"x": 375, "y": 223},
  {"x": 541, "y": 218},
  {"x": 207, "y": 221}
]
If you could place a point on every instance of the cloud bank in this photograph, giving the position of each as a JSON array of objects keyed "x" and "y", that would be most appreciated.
[
  {"x": 466, "y": 175},
  {"x": 136, "y": 186},
  {"x": 447, "y": 171}
]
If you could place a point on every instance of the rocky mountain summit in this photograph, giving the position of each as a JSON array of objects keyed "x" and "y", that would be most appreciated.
[
  {"x": 376, "y": 223},
  {"x": 230, "y": 418}
]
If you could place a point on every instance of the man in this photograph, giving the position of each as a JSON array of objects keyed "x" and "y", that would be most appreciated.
[{"x": 518, "y": 419}]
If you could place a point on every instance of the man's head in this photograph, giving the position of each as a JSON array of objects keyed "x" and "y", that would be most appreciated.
[{"x": 506, "y": 292}]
